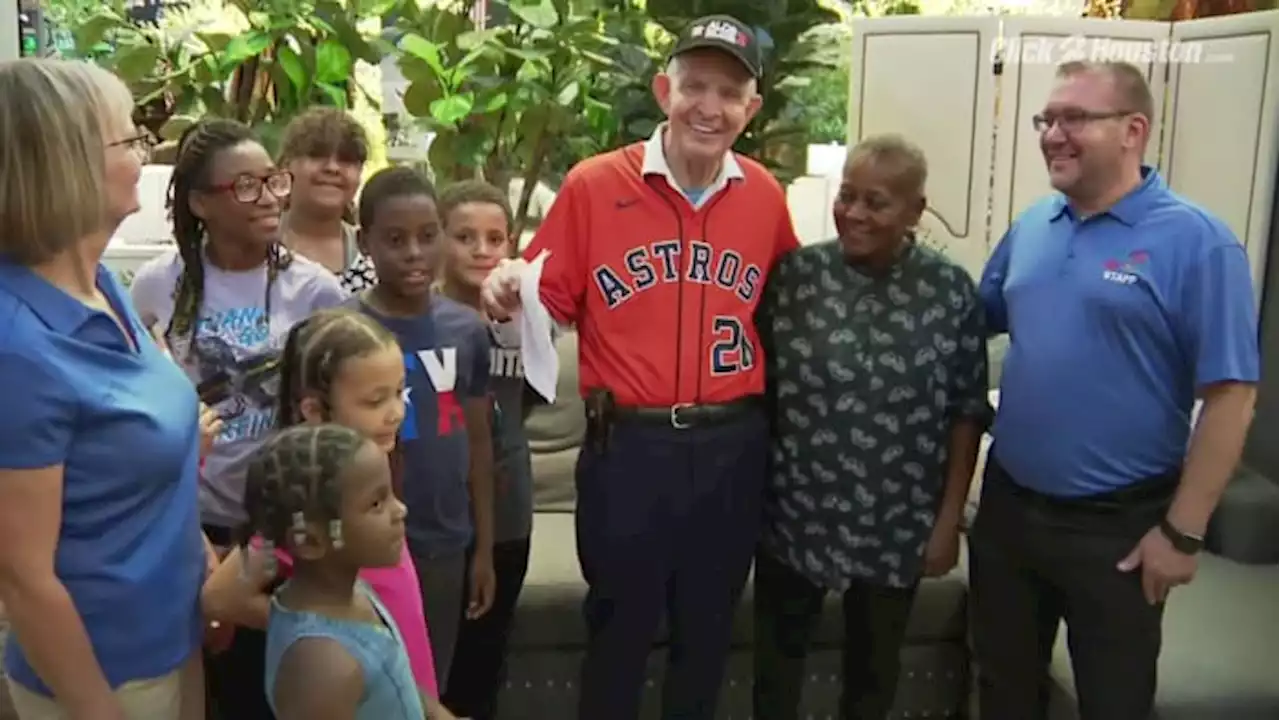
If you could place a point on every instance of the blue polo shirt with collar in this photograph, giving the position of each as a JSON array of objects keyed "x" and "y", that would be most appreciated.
[
  {"x": 1115, "y": 321},
  {"x": 123, "y": 423}
]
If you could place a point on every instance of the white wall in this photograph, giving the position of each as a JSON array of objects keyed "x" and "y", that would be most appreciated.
[{"x": 10, "y": 40}]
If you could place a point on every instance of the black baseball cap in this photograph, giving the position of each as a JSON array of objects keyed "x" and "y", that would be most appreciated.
[{"x": 726, "y": 34}]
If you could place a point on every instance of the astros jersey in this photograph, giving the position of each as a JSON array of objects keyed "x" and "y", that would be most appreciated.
[{"x": 663, "y": 288}]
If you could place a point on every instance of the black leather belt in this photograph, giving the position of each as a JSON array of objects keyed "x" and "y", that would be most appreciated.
[
  {"x": 1153, "y": 491},
  {"x": 685, "y": 416}
]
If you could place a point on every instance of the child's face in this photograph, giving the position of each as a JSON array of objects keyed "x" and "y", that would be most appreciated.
[
  {"x": 368, "y": 395},
  {"x": 403, "y": 243},
  {"x": 244, "y": 196},
  {"x": 372, "y": 517},
  {"x": 477, "y": 239}
]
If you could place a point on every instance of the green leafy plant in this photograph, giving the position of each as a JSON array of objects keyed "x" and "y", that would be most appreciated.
[
  {"x": 258, "y": 62},
  {"x": 502, "y": 100}
]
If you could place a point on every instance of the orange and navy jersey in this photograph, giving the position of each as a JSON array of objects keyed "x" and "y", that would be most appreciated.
[{"x": 663, "y": 292}]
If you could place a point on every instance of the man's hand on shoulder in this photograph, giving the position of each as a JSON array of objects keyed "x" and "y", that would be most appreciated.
[{"x": 501, "y": 290}]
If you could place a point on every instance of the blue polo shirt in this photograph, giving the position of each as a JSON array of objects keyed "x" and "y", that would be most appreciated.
[
  {"x": 1114, "y": 321},
  {"x": 124, "y": 426}
]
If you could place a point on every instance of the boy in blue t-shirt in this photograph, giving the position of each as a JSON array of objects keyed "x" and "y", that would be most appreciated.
[{"x": 446, "y": 451}]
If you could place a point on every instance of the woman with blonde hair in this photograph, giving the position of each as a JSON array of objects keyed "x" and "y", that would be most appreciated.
[{"x": 101, "y": 555}]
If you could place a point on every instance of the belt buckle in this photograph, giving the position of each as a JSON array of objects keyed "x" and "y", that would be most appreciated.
[{"x": 675, "y": 416}]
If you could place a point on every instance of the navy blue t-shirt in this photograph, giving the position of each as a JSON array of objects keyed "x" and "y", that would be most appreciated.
[{"x": 446, "y": 355}]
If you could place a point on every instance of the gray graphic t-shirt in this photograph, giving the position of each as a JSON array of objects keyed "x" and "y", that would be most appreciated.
[
  {"x": 513, "y": 489},
  {"x": 235, "y": 350}
]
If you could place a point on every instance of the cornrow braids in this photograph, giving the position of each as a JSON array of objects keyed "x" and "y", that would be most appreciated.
[
  {"x": 295, "y": 479},
  {"x": 197, "y": 148},
  {"x": 314, "y": 352}
]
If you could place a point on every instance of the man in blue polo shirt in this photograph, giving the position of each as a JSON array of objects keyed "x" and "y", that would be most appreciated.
[{"x": 1124, "y": 303}]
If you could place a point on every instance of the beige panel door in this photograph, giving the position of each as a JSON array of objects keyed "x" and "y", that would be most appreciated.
[
  {"x": 1032, "y": 49},
  {"x": 10, "y": 29},
  {"x": 930, "y": 80},
  {"x": 1220, "y": 137}
]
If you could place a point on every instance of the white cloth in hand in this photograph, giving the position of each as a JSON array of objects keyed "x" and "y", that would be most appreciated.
[{"x": 537, "y": 348}]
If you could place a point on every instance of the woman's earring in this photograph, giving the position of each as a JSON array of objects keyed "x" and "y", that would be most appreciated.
[{"x": 335, "y": 534}]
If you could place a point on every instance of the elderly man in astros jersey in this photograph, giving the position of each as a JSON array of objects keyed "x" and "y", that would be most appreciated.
[{"x": 657, "y": 253}]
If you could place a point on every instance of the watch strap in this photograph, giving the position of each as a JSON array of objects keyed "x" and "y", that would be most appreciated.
[{"x": 1184, "y": 543}]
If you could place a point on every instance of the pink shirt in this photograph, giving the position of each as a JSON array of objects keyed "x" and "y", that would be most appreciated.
[{"x": 398, "y": 589}]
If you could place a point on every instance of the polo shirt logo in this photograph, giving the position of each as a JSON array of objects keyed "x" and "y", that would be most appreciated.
[{"x": 1125, "y": 271}]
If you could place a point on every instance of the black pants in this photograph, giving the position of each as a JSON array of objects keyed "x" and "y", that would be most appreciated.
[
  {"x": 787, "y": 608},
  {"x": 1035, "y": 561},
  {"x": 480, "y": 656},
  {"x": 667, "y": 522},
  {"x": 235, "y": 679}
]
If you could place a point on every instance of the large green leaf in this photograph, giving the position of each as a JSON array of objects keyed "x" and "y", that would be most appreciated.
[
  {"x": 137, "y": 62},
  {"x": 96, "y": 30},
  {"x": 418, "y": 98},
  {"x": 424, "y": 50},
  {"x": 175, "y": 126},
  {"x": 289, "y": 62},
  {"x": 541, "y": 15},
  {"x": 216, "y": 42},
  {"x": 473, "y": 39},
  {"x": 568, "y": 94},
  {"x": 243, "y": 47},
  {"x": 334, "y": 94},
  {"x": 449, "y": 110},
  {"x": 333, "y": 62}
]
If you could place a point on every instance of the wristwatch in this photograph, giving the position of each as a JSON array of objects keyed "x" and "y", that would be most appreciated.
[{"x": 1185, "y": 543}]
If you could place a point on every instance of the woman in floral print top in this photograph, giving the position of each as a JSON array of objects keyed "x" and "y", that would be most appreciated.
[{"x": 876, "y": 357}]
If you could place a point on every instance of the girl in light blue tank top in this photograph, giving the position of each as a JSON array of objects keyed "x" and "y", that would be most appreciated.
[{"x": 324, "y": 493}]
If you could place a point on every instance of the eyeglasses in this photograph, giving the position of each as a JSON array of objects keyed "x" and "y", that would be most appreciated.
[
  {"x": 1073, "y": 120},
  {"x": 247, "y": 189},
  {"x": 142, "y": 144}
]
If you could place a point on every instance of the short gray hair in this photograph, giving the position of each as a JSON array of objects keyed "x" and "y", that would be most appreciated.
[
  {"x": 53, "y": 124},
  {"x": 905, "y": 157}
]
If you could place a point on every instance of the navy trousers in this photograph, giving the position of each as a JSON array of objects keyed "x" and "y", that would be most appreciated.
[{"x": 667, "y": 522}]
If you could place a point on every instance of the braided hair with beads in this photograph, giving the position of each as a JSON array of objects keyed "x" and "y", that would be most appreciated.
[
  {"x": 315, "y": 350},
  {"x": 197, "y": 148},
  {"x": 294, "y": 479}
]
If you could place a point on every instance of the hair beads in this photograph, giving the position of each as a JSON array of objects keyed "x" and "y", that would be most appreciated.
[{"x": 295, "y": 479}]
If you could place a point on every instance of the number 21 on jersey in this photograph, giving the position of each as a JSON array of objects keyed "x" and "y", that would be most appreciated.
[{"x": 731, "y": 348}]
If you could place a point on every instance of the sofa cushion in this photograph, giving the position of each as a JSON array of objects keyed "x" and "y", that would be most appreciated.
[
  {"x": 1218, "y": 658},
  {"x": 553, "y": 484},
  {"x": 550, "y": 612},
  {"x": 1244, "y": 525},
  {"x": 563, "y": 424},
  {"x": 555, "y": 433}
]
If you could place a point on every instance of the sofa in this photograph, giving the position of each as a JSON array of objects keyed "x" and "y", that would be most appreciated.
[
  {"x": 1219, "y": 655},
  {"x": 1220, "y": 650},
  {"x": 549, "y": 638}
]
